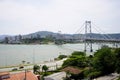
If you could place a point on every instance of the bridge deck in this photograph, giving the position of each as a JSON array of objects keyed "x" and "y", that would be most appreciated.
[{"x": 102, "y": 40}]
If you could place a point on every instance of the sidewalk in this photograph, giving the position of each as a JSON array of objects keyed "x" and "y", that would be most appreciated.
[
  {"x": 112, "y": 76},
  {"x": 52, "y": 65}
]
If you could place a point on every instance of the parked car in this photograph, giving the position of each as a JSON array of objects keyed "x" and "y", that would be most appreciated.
[{"x": 14, "y": 69}]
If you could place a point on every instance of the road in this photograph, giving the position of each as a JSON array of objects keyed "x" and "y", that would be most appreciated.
[
  {"x": 112, "y": 76},
  {"x": 52, "y": 65}
]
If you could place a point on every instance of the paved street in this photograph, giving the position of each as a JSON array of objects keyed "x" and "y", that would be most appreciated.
[
  {"x": 52, "y": 65},
  {"x": 112, "y": 76}
]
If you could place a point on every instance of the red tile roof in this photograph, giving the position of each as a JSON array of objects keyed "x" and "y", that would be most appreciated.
[
  {"x": 72, "y": 70},
  {"x": 4, "y": 73},
  {"x": 21, "y": 76}
]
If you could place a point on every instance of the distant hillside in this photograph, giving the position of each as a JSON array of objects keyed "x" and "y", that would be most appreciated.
[
  {"x": 105, "y": 36},
  {"x": 2, "y": 37},
  {"x": 41, "y": 34},
  {"x": 44, "y": 34},
  {"x": 116, "y": 36}
]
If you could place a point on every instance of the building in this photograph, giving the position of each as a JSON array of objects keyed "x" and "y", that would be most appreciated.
[
  {"x": 28, "y": 75},
  {"x": 72, "y": 70}
]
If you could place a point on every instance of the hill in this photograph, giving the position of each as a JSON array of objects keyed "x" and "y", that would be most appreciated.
[{"x": 48, "y": 34}]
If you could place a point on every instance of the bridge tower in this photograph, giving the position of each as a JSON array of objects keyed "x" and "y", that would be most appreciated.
[{"x": 88, "y": 34}]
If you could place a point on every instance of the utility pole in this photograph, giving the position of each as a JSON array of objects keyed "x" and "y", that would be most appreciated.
[
  {"x": 25, "y": 75},
  {"x": 88, "y": 34}
]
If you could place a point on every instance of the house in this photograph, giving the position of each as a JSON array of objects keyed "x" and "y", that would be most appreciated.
[
  {"x": 4, "y": 75},
  {"x": 56, "y": 76},
  {"x": 72, "y": 70},
  {"x": 28, "y": 75},
  {"x": 73, "y": 73}
]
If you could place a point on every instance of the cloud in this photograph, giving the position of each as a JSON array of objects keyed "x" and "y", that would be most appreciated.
[{"x": 25, "y": 16}]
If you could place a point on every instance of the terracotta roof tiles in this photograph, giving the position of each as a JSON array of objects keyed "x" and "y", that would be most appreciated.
[
  {"x": 21, "y": 76},
  {"x": 72, "y": 70}
]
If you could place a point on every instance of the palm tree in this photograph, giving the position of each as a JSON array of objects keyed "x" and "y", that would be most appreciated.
[
  {"x": 45, "y": 68},
  {"x": 36, "y": 69}
]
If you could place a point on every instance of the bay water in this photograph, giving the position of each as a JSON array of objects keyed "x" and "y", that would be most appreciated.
[{"x": 11, "y": 55}]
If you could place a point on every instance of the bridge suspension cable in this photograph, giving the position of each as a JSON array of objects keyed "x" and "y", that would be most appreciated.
[
  {"x": 103, "y": 33},
  {"x": 88, "y": 36}
]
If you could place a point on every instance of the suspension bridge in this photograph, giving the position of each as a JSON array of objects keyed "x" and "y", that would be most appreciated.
[{"x": 89, "y": 39}]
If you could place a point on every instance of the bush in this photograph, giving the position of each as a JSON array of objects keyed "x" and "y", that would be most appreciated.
[
  {"x": 93, "y": 75},
  {"x": 78, "y": 53},
  {"x": 76, "y": 59},
  {"x": 104, "y": 61},
  {"x": 117, "y": 55},
  {"x": 45, "y": 68},
  {"x": 79, "y": 61},
  {"x": 36, "y": 69},
  {"x": 118, "y": 78},
  {"x": 62, "y": 56}
]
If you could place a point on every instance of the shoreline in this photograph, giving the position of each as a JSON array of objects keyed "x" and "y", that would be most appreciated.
[
  {"x": 10, "y": 66},
  {"x": 50, "y": 64}
]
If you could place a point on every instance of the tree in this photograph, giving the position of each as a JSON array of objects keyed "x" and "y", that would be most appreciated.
[
  {"x": 62, "y": 56},
  {"x": 78, "y": 53},
  {"x": 76, "y": 59},
  {"x": 104, "y": 61},
  {"x": 117, "y": 55},
  {"x": 36, "y": 69},
  {"x": 45, "y": 68}
]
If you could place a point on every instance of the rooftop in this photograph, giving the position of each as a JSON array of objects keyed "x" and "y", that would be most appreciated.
[
  {"x": 4, "y": 73},
  {"x": 21, "y": 76},
  {"x": 72, "y": 70}
]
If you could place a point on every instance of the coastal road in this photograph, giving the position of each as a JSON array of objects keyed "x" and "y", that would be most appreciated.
[
  {"x": 52, "y": 65},
  {"x": 112, "y": 76}
]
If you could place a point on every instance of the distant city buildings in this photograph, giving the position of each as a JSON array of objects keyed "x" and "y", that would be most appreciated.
[
  {"x": 13, "y": 39},
  {"x": 46, "y": 37}
]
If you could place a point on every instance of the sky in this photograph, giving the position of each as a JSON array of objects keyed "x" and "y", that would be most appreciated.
[{"x": 67, "y": 16}]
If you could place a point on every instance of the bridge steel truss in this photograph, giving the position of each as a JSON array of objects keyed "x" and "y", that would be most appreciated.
[{"x": 89, "y": 40}]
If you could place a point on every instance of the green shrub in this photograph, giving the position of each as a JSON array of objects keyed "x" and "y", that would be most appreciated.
[
  {"x": 118, "y": 78},
  {"x": 78, "y": 53},
  {"x": 94, "y": 74},
  {"x": 62, "y": 56}
]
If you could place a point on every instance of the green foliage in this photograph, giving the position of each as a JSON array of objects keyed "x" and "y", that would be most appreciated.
[
  {"x": 118, "y": 78},
  {"x": 104, "y": 61},
  {"x": 38, "y": 40},
  {"x": 36, "y": 69},
  {"x": 46, "y": 73},
  {"x": 70, "y": 62},
  {"x": 77, "y": 53},
  {"x": 77, "y": 59},
  {"x": 62, "y": 56},
  {"x": 93, "y": 75},
  {"x": 45, "y": 68},
  {"x": 117, "y": 55}
]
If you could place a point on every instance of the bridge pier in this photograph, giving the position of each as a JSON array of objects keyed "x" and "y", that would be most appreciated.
[
  {"x": 86, "y": 45},
  {"x": 88, "y": 33}
]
